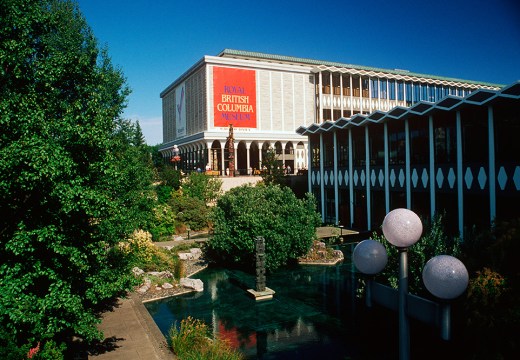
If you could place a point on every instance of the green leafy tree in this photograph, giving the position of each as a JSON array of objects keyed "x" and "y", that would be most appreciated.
[
  {"x": 202, "y": 187},
  {"x": 287, "y": 224},
  {"x": 72, "y": 181},
  {"x": 273, "y": 171}
]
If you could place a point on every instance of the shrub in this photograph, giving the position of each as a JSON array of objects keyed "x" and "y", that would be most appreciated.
[
  {"x": 287, "y": 224},
  {"x": 163, "y": 222},
  {"x": 190, "y": 211},
  {"x": 139, "y": 246}
]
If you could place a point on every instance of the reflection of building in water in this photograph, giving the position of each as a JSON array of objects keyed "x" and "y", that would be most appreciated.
[
  {"x": 266, "y": 97},
  {"x": 260, "y": 342},
  {"x": 458, "y": 155}
]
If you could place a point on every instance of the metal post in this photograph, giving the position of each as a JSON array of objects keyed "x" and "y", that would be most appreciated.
[
  {"x": 368, "y": 292},
  {"x": 445, "y": 321},
  {"x": 404, "y": 331}
]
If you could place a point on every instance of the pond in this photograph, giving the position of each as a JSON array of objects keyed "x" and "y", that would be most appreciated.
[{"x": 314, "y": 314}]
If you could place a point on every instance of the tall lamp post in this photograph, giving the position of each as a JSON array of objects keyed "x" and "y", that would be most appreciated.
[
  {"x": 402, "y": 228},
  {"x": 444, "y": 276},
  {"x": 176, "y": 157}
]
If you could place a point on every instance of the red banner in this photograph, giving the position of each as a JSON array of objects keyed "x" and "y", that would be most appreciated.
[{"x": 234, "y": 97}]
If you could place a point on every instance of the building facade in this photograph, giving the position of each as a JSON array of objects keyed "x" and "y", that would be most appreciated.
[
  {"x": 266, "y": 97},
  {"x": 457, "y": 156}
]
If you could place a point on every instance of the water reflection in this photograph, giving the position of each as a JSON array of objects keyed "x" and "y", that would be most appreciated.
[{"x": 312, "y": 312}]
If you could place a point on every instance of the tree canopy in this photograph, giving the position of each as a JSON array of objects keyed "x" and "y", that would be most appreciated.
[
  {"x": 72, "y": 179},
  {"x": 287, "y": 223}
]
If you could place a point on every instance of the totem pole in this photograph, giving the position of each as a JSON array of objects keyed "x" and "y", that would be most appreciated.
[{"x": 231, "y": 150}]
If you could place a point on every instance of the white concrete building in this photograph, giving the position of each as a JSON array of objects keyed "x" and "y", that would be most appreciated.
[{"x": 267, "y": 97}]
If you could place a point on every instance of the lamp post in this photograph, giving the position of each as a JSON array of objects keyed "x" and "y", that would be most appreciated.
[
  {"x": 444, "y": 276},
  {"x": 176, "y": 157},
  {"x": 402, "y": 228},
  {"x": 370, "y": 258}
]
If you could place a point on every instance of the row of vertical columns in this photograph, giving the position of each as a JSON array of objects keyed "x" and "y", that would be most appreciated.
[{"x": 459, "y": 170}]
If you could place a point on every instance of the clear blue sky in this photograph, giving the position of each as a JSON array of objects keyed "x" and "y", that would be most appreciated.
[{"x": 155, "y": 41}]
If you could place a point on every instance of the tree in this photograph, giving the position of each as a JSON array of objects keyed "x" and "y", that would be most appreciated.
[
  {"x": 72, "y": 183},
  {"x": 202, "y": 187},
  {"x": 288, "y": 225},
  {"x": 273, "y": 171}
]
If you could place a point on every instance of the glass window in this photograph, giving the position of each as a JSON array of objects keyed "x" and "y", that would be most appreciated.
[
  {"x": 377, "y": 145},
  {"x": 346, "y": 85},
  {"x": 365, "y": 87},
  {"x": 396, "y": 142},
  {"x": 424, "y": 92},
  {"x": 325, "y": 78},
  {"x": 315, "y": 152},
  {"x": 374, "y": 85},
  {"x": 419, "y": 141},
  {"x": 416, "y": 93},
  {"x": 358, "y": 146},
  {"x": 382, "y": 86},
  {"x": 409, "y": 94},
  {"x": 335, "y": 84},
  {"x": 391, "y": 89},
  {"x": 475, "y": 135},
  {"x": 328, "y": 150},
  {"x": 445, "y": 141},
  {"x": 342, "y": 141},
  {"x": 400, "y": 91}
]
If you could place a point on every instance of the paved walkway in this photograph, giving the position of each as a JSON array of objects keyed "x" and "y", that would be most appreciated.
[{"x": 130, "y": 334}]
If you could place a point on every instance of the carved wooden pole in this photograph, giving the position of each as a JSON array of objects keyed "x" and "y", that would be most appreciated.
[{"x": 260, "y": 263}]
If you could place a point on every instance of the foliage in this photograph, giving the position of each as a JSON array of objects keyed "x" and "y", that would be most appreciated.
[
  {"x": 74, "y": 178},
  {"x": 163, "y": 223},
  {"x": 194, "y": 340},
  {"x": 491, "y": 309},
  {"x": 433, "y": 242},
  {"x": 202, "y": 187},
  {"x": 191, "y": 211},
  {"x": 139, "y": 246},
  {"x": 287, "y": 224},
  {"x": 170, "y": 177},
  {"x": 273, "y": 173}
]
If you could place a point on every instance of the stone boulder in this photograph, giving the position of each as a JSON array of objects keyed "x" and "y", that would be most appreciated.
[
  {"x": 194, "y": 254},
  {"x": 195, "y": 284},
  {"x": 145, "y": 287}
]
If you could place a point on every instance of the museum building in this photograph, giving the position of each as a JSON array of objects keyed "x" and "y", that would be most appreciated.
[
  {"x": 267, "y": 97},
  {"x": 456, "y": 156}
]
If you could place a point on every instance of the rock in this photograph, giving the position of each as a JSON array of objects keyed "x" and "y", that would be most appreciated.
[
  {"x": 185, "y": 256},
  {"x": 167, "y": 286},
  {"x": 137, "y": 272},
  {"x": 338, "y": 254},
  {"x": 145, "y": 287},
  {"x": 195, "y": 284},
  {"x": 178, "y": 238},
  {"x": 161, "y": 274},
  {"x": 196, "y": 252}
]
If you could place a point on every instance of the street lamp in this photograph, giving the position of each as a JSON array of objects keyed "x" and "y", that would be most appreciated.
[
  {"x": 176, "y": 157},
  {"x": 402, "y": 228},
  {"x": 444, "y": 276},
  {"x": 370, "y": 258}
]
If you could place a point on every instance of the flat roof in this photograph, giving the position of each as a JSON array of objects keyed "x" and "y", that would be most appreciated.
[{"x": 252, "y": 55}]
